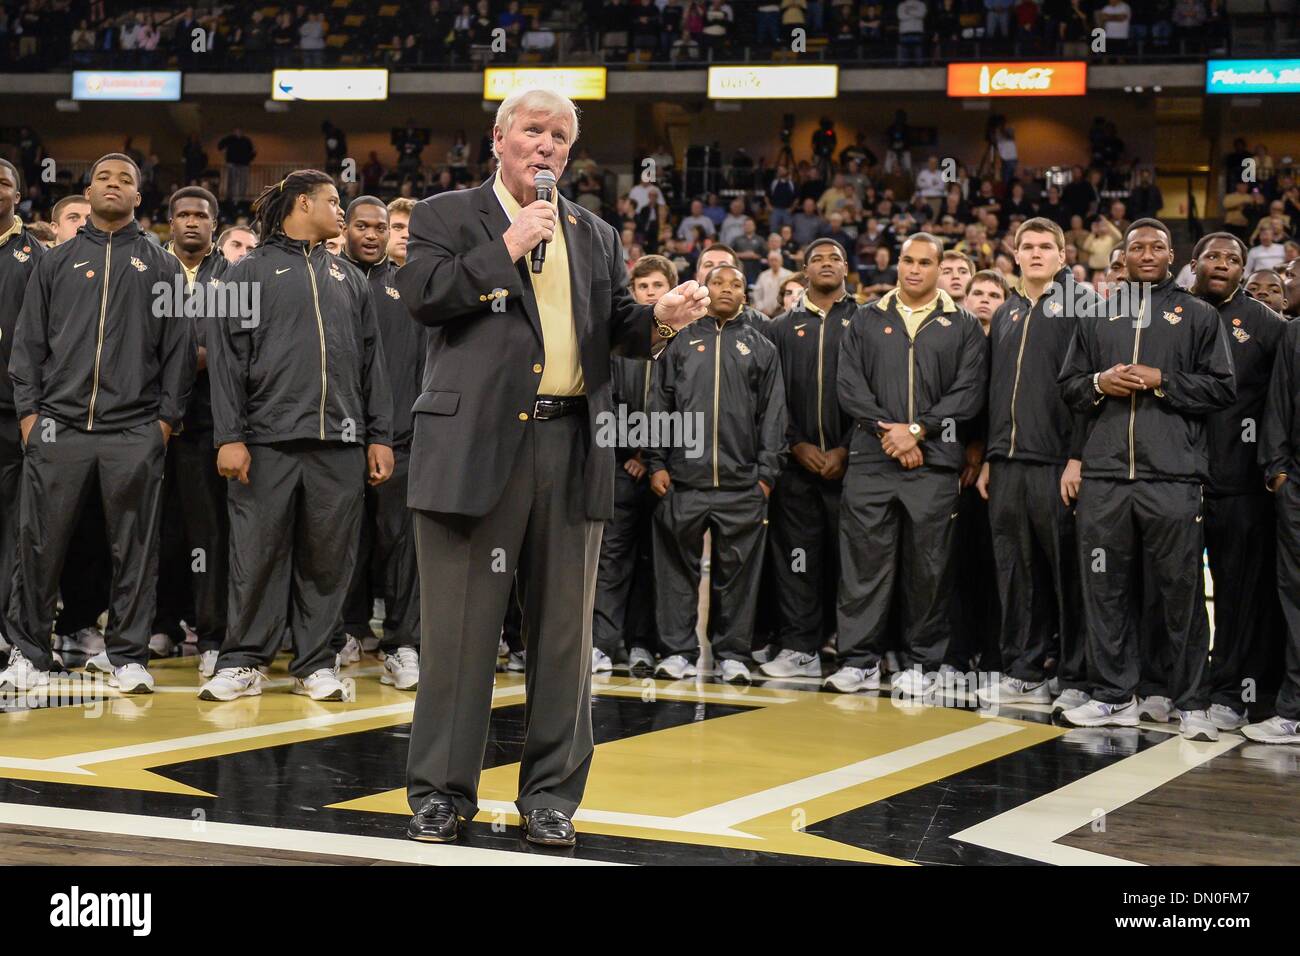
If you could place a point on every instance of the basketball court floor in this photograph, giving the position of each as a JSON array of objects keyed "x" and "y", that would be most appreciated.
[{"x": 684, "y": 772}]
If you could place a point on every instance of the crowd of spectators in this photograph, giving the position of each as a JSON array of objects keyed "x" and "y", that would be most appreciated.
[
  {"x": 251, "y": 34},
  {"x": 868, "y": 199}
]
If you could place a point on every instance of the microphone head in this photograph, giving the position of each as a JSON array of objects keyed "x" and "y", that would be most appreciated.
[{"x": 544, "y": 183}]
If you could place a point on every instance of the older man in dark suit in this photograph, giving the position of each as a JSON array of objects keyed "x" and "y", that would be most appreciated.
[{"x": 506, "y": 478}]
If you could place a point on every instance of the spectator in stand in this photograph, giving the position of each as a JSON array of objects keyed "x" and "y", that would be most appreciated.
[
  {"x": 768, "y": 285},
  {"x": 880, "y": 277},
  {"x": 537, "y": 39},
  {"x": 733, "y": 224},
  {"x": 1016, "y": 204},
  {"x": 1119, "y": 216},
  {"x": 718, "y": 22},
  {"x": 1145, "y": 200},
  {"x": 1082, "y": 196},
  {"x": 929, "y": 183},
  {"x": 911, "y": 30},
  {"x": 791, "y": 289},
  {"x": 899, "y": 138},
  {"x": 1076, "y": 235},
  {"x": 768, "y": 27},
  {"x": 751, "y": 248},
  {"x": 836, "y": 197},
  {"x": 1235, "y": 207},
  {"x": 781, "y": 195},
  {"x": 311, "y": 39},
  {"x": 696, "y": 220},
  {"x": 1116, "y": 18},
  {"x": 834, "y": 229},
  {"x": 1277, "y": 220},
  {"x": 240, "y": 153},
  {"x": 807, "y": 225},
  {"x": 1054, "y": 208},
  {"x": 1103, "y": 238},
  {"x": 1267, "y": 255},
  {"x": 997, "y": 19},
  {"x": 194, "y": 158}
]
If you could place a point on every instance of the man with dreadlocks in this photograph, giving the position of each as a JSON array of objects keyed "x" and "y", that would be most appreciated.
[{"x": 302, "y": 415}]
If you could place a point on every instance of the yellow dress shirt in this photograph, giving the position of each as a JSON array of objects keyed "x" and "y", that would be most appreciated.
[
  {"x": 562, "y": 371},
  {"x": 912, "y": 318}
]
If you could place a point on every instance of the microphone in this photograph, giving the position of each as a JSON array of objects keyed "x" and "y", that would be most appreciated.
[{"x": 544, "y": 183}]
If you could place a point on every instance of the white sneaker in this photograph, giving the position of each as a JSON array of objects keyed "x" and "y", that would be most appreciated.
[
  {"x": 1097, "y": 714},
  {"x": 676, "y": 666},
  {"x": 88, "y": 641},
  {"x": 515, "y": 663},
  {"x": 1159, "y": 709},
  {"x": 99, "y": 664},
  {"x": 734, "y": 672},
  {"x": 1225, "y": 718},
  {"x": 1275, "y": 730},
  {"x": 1196, "y": 725},
  {"x": 1069, "y": 699},
  {"x": 323, "y": 684},
  {"x": 351, "y": 653},
  {"x": 161, "y": 645},
  {"x": 850, "y": 680},
  {"x": 503, "y": 649},
  {"x": 640, "y": 662},
  {"x": 131, "y": 679},
  {"x": 401, "y": 669},
  {"x": 230, "y": 683},
  {"x": 600, "y": 662},
  {"x": 21, "y": 675},
  {"x": 791, "y": 663},
  {"x": 208, "y": 663},
  {"x": 1013, "y": 690},
  {"x": 913, "y": 683},
  {"x": 762, "y": 654},
  {"x": 369, "y": 643}
]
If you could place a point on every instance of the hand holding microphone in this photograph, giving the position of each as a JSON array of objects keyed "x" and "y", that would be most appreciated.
[{"x": 535, "y": 224}]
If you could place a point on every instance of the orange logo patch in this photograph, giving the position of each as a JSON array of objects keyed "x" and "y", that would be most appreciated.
[
  {"x": 800, "y": 333},
  {"x": 699, "y": 348},
  {"x": 1236, "y": 321},
  {"x": 889, "y": 330},
  {"x": 1178, "y": 308},
  {"x": 90, "y": 273}
]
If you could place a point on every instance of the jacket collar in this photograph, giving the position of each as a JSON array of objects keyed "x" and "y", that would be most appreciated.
[
  {"x": 98, "y": 236},
  {"x": 296, "y": 246},
  {"x": 14, "y": 230},
  {"x": 888, "y": 300},
  {"x": 366, "y": 268}
]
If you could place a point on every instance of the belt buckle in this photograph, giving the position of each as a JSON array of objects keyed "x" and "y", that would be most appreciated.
[{"x": 538, "y": 406}]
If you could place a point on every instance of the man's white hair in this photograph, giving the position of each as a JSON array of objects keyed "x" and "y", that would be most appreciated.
[{"x": 556, "y": 104}]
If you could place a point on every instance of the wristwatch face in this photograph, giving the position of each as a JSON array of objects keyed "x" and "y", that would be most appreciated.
[{"x": 914, "y": 429}]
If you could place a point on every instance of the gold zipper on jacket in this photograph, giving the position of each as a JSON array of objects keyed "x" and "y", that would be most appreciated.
[
  {"x": 821, "y": 350},
  {"x": 320, "y": 328},
  {"x": 1133, "y": 398},
  {"x": 1015, "y": 389},
  {"x": 645, "y": 390},
  {"x": 717, "y": 383},
  {"x": 99, "y": 343}
]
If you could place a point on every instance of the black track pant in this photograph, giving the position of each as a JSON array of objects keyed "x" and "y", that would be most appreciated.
[
  {"x": 206, "y": 522},
  {"x": 896, "y": 544},
  {"x": 1118, "y": 523},
  {"x": 1287, "y": 503},
  {"x": 87, "y": 570},
  {"x": 58, "y": 468},
  {"x": 11, "y": 473},
  {"x": 975, "y": 611},
  {"x": 175, "y": 596},
  {"x": 386, "y": 555},
  {"x": 624, "y": 612},
  {"x": 1242, "y": 544},
  {"x": 293, "y": 541},
  {"x": 804, "y": 557},
  {"x": 1036, "y": 563},
  {"x": 737, "y": 518}
]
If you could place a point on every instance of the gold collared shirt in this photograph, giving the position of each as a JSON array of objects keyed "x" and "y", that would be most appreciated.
[{"x": 562, "y": 370}]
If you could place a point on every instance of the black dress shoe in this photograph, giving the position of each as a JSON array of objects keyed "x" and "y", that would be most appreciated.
[
  {"x": 549, "y": 827},
  {"x": 435, "y": 822}
]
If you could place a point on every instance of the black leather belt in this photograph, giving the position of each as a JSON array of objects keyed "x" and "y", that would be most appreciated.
[{"x": 553, "y": 406}]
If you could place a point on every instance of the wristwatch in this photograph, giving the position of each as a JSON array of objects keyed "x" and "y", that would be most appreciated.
[
  {"x": 1096, "y": 383},
  {"x": 915, "y": 430},
  {"x": 666, "y": 331}
]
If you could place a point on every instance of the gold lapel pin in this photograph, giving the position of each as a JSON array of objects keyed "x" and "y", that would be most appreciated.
[{"x": 573, "y": 220}]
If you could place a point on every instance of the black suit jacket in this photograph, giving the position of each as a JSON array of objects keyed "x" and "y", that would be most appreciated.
[{"x": 484, "y": 356}]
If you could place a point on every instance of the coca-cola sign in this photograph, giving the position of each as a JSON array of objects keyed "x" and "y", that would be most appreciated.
[{"x": 1060, "y": 78}]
